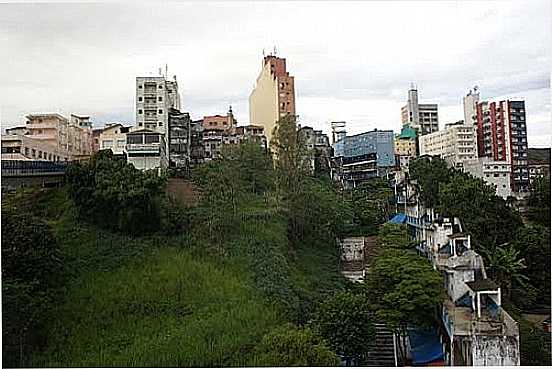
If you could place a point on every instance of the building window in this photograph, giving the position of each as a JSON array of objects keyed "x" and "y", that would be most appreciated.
[
  {"x": 160, "y": 87},
  {"x": 139, "y": 98},
  {"x": 107, "y": 144},
  {"x": 160, "y": 111},
  {"x": 160, "y": 124},
  {"x": 139, "y": 86},
  {"x": 139, "y": 124},
  {"x": 160, "y": 98},
  {"x": 152, "y": 139},
  {"x": 139, "y": 111}
]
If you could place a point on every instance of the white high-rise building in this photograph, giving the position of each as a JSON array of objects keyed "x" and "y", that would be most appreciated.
[
  {"x": 155, "y": 96},
  {"x": 470, "y": 106},
  {"x": 456, "y": 144},
  {"x": 423, "y": 117}
]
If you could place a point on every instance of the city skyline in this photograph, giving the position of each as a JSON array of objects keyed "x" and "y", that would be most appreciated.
[{"x": 86, "y": 61}]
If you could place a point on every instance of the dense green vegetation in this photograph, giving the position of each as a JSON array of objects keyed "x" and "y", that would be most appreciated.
[
  {"x": 147, "y": 283},
  {"x": 517, "y": 255}
]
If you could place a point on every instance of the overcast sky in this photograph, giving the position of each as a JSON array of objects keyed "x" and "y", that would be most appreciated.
[{"x": 352, "y": 61}]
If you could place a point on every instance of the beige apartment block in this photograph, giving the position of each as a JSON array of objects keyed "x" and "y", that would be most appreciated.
[
  {"x": 70, "y": 137},
  {"x": 21, "y": 147},
  {"x": 113, "y": 137},
  {"x": 273, "y": 96},
  {"x": 456, "y": 144}
]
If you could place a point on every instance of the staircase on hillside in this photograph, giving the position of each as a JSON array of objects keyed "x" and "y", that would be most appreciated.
[{"x": 382, "y": 353}]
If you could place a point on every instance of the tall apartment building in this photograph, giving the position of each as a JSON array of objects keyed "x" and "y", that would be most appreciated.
[
  {"x": 456, "y": 144},
  {"x": 273, "y": 96},
  {"x": 155, "y": 96},
  {"x": 423, "y": 117},
  {"x": 502, "y": 135}
]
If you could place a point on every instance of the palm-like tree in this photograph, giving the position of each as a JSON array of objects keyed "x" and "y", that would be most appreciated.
[{"x": 505, "y": 266}]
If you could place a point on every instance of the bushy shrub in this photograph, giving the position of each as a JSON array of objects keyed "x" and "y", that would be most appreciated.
[
  {"x": 292, "y": 346},
  {"x": 111, "y": 193},
  {"x": 345, "y": 320},
  {"x": 32, "y": 278}
]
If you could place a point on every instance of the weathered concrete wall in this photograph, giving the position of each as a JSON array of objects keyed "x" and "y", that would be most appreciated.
[
  {"x": 495, "y": 351},
  {"x": 352, "y": 249}
]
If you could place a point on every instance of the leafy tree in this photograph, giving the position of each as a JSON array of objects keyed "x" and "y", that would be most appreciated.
[
  {"x": 346, "y": 322},
  {"x": 371, "y": 203},
  {"x": 402, "y": 286},
  {"x": 292, "y": 169},
  {"x": 487, "y": 217},
  {"x": 430, "y": 175},
  {"x": 32, "y": 276},
  {"x": 253, "y": 164},
  {"x": 539, "y": 201},
  {"x": 109, "y": 192},
  {"x": 292, "y": 346},
  {"x": 394, "y": 236},
  {"x": 533, "y": 244},
  {"x": 222, "y": 190}
]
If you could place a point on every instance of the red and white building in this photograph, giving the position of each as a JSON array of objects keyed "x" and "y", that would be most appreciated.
[{"x": 502, "y": 135}]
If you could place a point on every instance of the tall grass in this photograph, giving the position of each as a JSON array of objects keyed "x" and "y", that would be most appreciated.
[{"x": 169, "y": 311}]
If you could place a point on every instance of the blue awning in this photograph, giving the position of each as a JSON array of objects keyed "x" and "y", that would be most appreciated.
[
  {"x": 399, "y": 218},
  {"x": 425, "y": 346}
]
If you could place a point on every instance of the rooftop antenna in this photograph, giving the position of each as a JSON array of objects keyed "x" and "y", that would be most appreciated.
[
  {"x": 166, "y": 71},
  {"x": 274, "y": 50},
  {"x": 160, "y": 72},
  {"x": 263, "y": 54}
]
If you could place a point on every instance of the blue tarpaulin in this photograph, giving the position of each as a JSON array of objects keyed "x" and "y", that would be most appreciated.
[
  {"x": 399, "y": 218},
  {"x": 425, "y": 346}
]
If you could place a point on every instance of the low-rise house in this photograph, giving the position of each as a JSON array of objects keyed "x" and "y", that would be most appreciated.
[
  {"x": 145, "y": 149},
  {"x": 113, "y": 137}
]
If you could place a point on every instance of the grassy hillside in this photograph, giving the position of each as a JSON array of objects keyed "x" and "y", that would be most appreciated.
[
  {"x": 176, "y": 301},
  {"x": 150, "y": 301}
]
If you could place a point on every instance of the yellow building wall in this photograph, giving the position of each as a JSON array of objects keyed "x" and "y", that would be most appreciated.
[{"x": 263, "y": 102}]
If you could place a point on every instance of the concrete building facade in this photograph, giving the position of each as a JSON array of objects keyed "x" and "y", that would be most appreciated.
[
  {"x": 456, "y": 144},
  {"x": 319, "y": 149},
  {"x": 72, "y": 137},
  {"x": 23, "y": 147},
  {"x": 145, "y": 149},
  {"x": 155, "y": 96},
  {"x": 494, "y": 173},
  {"x": 363, "y": 156},
  {"x": 475, "y": 329},
  {"x": 113, "y": 137},
  {"x": 273, "y": 96},
  {"x": 423, "y": 117}
]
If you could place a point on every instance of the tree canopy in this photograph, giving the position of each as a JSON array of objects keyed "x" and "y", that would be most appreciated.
[
  {"x": 292, "y": 346},
  {"x": 345, "y": 320}
]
